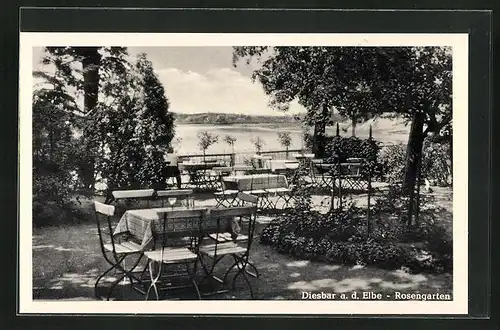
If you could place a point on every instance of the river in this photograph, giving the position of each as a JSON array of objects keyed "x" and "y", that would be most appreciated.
[{"x": 186, "y": 140}]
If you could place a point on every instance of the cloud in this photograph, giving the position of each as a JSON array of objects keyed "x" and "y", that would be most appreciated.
[{"x": 218, "y": 90}]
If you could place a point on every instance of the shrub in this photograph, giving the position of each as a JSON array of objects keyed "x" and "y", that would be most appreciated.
[
  {"x": 350, "y": 147},
  {"x": 393, "y": 159},
  {"x": 341, "y": 236},
  {"x": 436, "y": 162}
]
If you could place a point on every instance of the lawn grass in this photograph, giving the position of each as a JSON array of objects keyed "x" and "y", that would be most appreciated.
[{"x": 67, "y": 260}]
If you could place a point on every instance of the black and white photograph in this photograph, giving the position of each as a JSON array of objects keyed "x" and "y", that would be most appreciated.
[{"x": 321, "y": 173}]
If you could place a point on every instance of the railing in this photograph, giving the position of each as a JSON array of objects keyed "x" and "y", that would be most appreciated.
[{"x": 239, "y": 157}]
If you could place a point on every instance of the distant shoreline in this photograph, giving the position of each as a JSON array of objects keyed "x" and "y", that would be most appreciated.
[{"x": 212, "y": 118}]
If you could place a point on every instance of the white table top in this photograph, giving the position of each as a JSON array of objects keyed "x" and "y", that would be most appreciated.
[
  {"x": 133, "y": 193},
  {"x": 262, "y": 157},
  {"x": 303, "y": 155}
]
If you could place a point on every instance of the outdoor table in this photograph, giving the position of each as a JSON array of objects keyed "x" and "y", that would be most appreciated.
[
  {"x": 261, "y": 160},
  {"x": 305, "y": 159},
  {"x": 253, "y": 182},
  {"x": 241, "y": 168},
  {"x": 142, "y": 224},
  {"x": 292, "y": 166},
  {"x": 197, "y": 172},
  {"x": 303, "y": 156},
  {"x": 261, "y": 157},
  {"x": 278, "y": 164}
]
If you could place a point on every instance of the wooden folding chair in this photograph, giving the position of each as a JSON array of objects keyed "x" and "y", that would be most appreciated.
[
  {"x": 180, "y": 234},
  {"x": 114, "y": 252},
  {"x": 219, "y": 222},
  {"x": 281, "y": 191},
  {"x": 225, "y": 197}
]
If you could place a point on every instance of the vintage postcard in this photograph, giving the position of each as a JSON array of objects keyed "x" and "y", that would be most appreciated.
[{"x": 243, "y": 173}]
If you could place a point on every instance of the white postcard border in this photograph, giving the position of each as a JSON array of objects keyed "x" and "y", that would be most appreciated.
[{"x": 459, "y": 305}]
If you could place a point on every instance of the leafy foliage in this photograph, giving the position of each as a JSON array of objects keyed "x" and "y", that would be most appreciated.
[
  {"x": 285, "y": 139},
  {"x": 258, "y": 143},
  {"x": 230, "y": 139},
  {"x": 206, "y": 139},
  {"x": 414, "y": 82},
  {"x": 55, "y": 150},
  {"x": 134, "y": 131},
  {"x": 342, "y": 235},
  {"x": 124, "y": 136},
  {"x": 353, "y": 147},
  {"x": 436, "y": 162}
]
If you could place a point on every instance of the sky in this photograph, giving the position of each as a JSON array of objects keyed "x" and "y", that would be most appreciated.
[{"x": 203, "y": 79}]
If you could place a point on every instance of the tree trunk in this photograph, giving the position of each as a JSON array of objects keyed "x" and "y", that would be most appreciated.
[
  {"x": 353, "y": 127},
  {"x": 90, "y": 64},
  {"x": 413, "y": 161},
  {"x": 319, "y": 136}
]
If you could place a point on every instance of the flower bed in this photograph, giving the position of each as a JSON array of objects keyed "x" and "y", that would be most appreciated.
[{"x": 343, "y": 237}]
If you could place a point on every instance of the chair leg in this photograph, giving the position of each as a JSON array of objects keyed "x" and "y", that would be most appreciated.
[
  {"x": 228, "y": 271},
  {"x": 113, "y": 286},
  {"x": 256, "y": 271},
  {"x": 192, "y": 278},
  {"x": 209, "y": 273},
  {"x": 153, "y": 282},
  {"x": 241, "y": 270},
  {"x": 113, "y": 267}
]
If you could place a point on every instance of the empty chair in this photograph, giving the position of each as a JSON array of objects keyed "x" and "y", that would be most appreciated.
[
  {"x": 280, "y": 189},
  {"x": 225, "y": 197},
  {"x": 114, "y": 251},
  {"x": 218, "y": 223},
  {"x": 180, "y": 232}
]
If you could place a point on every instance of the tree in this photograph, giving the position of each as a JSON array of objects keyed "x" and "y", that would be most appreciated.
[
  {"x": 54, "y": 151},
  {"x": 230, "y": 139},
  {"x": 258, "y": 143},
  {"x": 129, "y": 129},
  {"x": 319, "y": 78},
  {"x": 132, "y": 128},
  {"x": 82, "y": 69},
  {"x": 205, "y": 140},
  {"x": 413, "y": 82},
  {"x": 285, "y": 140},
  {"x": 419, "y": 88}
]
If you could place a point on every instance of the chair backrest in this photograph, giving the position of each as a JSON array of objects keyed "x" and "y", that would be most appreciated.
[
  {"x": 224, "y": 185},
  {"x": 174, "y": 193},
  {"x": 242, "y": 168},
  {"x": 181, "y": 223},
  {"x": 125, "y": 199},
  {"x": 229, "y": 220},
  {"x": 133, "y": 194},
  {"x": 220, "y": 219},
  {"x": 103, "y": 214},
  {"x": 246, "y": 198},
  {"x": 179, "y": 194},
  {"x": 104, "y": 209}
]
